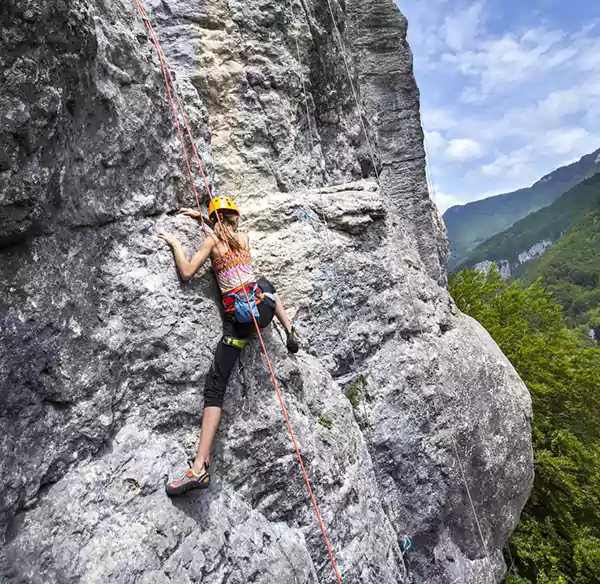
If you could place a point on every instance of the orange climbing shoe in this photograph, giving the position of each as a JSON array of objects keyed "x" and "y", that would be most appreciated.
[{"x": 190, "y": 480}]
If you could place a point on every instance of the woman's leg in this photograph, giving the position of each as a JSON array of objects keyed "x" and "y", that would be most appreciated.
[
  {"x": 226, "y": 357},
  {"x": 292, "y": 342},
  {"x": 281, "y": 315},
  {"x": 227, "y": 353},
  {"x": 210, "y": 425}
]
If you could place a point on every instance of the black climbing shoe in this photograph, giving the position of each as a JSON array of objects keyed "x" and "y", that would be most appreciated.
[
  {"x": 293, "y": 343},
  {"x": 190, "y": 480}
]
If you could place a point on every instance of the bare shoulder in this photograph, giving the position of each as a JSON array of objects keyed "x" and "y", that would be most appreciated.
[{"x": 212, "y": 243}]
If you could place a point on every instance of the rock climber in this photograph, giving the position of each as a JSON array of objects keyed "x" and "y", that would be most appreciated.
[{"x": 228, "y": 249}]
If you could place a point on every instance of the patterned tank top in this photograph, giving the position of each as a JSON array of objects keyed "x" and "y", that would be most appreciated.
[{"x": 227, "y": 275}]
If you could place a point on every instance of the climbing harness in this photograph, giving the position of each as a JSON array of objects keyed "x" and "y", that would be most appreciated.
[
  {"x": 235, "y": 303},
  {"x": 338, "y": 38},
  {"x": 233, "y": 342},
  {"x": 168, "y": 80}
]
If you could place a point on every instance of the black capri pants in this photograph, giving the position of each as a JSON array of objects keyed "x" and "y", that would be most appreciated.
[{"x": 230, "y": 347}]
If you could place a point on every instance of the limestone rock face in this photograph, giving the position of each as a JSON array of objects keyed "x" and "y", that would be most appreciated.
[
  {"x": 410, "y": 420},
  {"x": 506, "y": 268}
]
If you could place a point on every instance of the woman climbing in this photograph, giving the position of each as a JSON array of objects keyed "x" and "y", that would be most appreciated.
[{"x": 230, "y": 254}]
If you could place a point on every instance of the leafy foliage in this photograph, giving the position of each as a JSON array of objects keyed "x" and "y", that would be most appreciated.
[
  {"x": 558, "y": 537},
  {"x": 325, "y": 421}
]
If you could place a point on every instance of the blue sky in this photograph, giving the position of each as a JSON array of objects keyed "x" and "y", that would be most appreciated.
[{"x": 509, "y": 90}]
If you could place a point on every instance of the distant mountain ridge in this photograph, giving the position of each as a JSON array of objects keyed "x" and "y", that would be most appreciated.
[
  {"x": 534, "y": 234},
  {"x": 472, "y": 224}
]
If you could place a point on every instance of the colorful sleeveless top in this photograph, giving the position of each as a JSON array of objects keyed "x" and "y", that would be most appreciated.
[{"x": 227, "y": 274}]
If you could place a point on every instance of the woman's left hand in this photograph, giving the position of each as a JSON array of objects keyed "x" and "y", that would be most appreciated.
[
  {"x": 190, "y": 212},
  {"x": 168, "y": 237}
]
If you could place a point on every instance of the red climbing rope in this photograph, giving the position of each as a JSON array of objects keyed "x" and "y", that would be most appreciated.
[{"x": 168, "y": 82}]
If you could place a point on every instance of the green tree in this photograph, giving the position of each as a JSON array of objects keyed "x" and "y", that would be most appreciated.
[{"x": 558, "y": 537}]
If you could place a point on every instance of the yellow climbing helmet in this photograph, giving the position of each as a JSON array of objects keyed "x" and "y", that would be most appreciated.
[{"x": 221, "y": 203}]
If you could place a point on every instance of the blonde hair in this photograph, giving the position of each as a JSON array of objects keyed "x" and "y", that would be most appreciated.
[{"x": 225, "y": 231}]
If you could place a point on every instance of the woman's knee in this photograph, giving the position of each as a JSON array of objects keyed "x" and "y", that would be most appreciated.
[
  {"x": 214, "y": 390},
  {"x": 226, "y": 356}
]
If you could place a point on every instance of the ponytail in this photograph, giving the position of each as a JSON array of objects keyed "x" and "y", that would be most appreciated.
[{"x": 224, "y": 230}]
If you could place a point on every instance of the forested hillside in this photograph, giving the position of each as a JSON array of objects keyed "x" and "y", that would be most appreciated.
[
  {"x": 547, "y": 224},
  {"x": 472, "y": 224},
  {"x": 558, "y": 538},
  {"x": 570, "y": 270}
]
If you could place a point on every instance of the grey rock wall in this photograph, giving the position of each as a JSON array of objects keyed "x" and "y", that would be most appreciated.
[{"x": 105, "y": 350}]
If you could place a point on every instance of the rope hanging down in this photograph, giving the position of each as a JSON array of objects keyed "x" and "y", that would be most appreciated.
[
  {"x": 169, "y": 81},
  {"x": 458, "y": 460}
]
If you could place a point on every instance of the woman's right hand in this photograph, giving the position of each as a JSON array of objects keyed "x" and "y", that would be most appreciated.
[
  {"x": 170, "y": 239},
  {"x": 190, "y": 212}
]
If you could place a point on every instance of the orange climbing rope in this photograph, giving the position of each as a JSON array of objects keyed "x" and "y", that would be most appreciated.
[{"x": 168, "y": 82}]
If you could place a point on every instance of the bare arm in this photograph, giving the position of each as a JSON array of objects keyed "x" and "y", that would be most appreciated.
[{"x": 188, "y": 268}]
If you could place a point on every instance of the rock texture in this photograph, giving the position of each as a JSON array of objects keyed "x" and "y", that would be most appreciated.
[
  {"x": 397, "y": 399},
  {"x": 503, "y": 267}
]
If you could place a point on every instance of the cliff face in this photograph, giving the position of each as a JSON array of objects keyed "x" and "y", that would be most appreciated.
[{"x": 398, "y": 400}]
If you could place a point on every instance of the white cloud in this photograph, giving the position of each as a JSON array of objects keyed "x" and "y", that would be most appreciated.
[
  {"x": 434, "y": 142},
  {"x": 563, "y": 146},
  {"x": 444, "y": 201},
  {"x": 562, "y": 103},
  {"x": 497, "y": 65},
  {"x": 589, "y": 56},
  {"x": 463, "y": 149},
  {"x": 461, "y": 28},
  {"x": 437, "y": 119},
  {"x": 570, "y": 141},
  {"x": 534, "y": 119},
  {"x": 517, "y": 165},
  {"x": 495, "y": 168}
]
